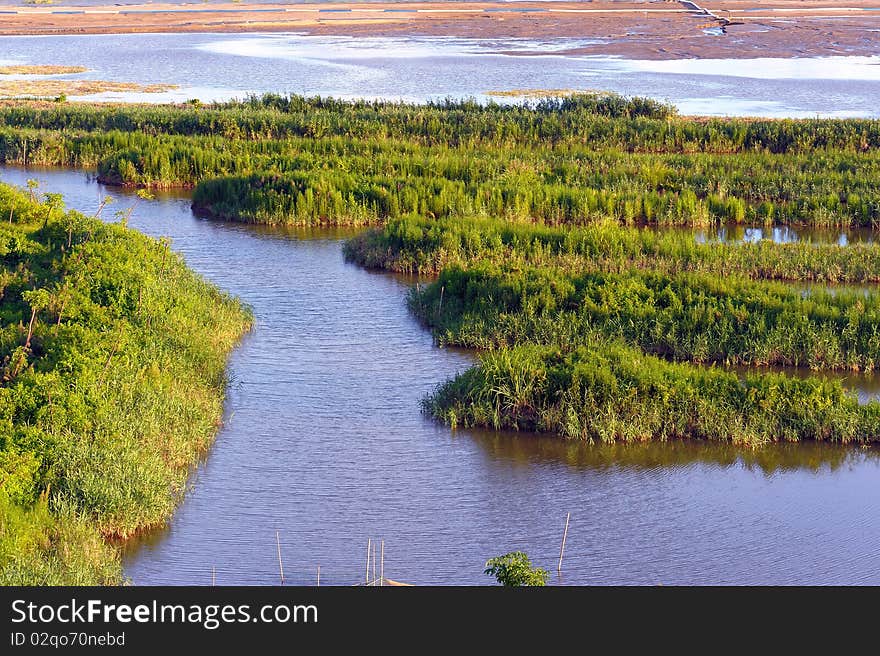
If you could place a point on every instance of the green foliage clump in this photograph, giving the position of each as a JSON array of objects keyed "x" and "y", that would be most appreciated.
[
  {"x": 58, "y": 547},
  {"x": 414, "y": 244},
  {"x": 514, "y": 569},
  {"x": 573, "y": 161},
  {"x": 503, "y": 286}
]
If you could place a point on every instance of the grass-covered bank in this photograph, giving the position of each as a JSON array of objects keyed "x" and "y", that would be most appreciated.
[
  {"x": 611, "y": 392},
  {"x": 416, "y": 244},
  {"x": 591, "y": 356},
  {"x": 113, "y": 360},
  {"x": 580, "y": 326},
  {"x": 692, "y": 316},
  {"x": 571, "y": 161}
]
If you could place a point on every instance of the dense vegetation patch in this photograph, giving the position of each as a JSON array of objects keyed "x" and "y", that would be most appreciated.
[
  {"x": 572, "y": 161},
  {"x": 532, "y": 215},
  {"x": 415, "y": 244},
  {"x": 112, "y": 358},
  {"x": 635, "y": 124},
  {"x": 609, "y": 392},
  {"x": 697, "y": 317}
]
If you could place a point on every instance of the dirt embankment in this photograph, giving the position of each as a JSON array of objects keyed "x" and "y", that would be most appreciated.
[{"x": 656, "y": 29}]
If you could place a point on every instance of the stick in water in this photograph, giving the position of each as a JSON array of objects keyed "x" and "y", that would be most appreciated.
[
  {"x": 564, "y": 535},
  {"x": 367, "y": 575},
  {"x": 280, "y": 564}
]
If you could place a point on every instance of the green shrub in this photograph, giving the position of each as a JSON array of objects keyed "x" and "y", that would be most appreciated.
[
  {"x": 112, "y": 378},
  {"x": 515, "y": 569}
]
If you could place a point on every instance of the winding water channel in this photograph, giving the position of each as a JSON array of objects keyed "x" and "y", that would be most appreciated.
[{"x": 324, "y": 443}]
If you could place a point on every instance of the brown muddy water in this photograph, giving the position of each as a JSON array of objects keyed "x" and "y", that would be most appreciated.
[{"x": 324, "y": 443}]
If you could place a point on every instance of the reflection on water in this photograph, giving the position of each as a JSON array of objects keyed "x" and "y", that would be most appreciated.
[
  {"x": 526, "y": 449},
  {"x": 783, "y": 234},
  {"x": 324, "y": 443}
]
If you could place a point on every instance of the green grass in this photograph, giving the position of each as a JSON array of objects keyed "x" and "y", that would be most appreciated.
[
  {"x": 581, "y": 324},
  {"x": 415, "y": 244},
  {"x": 697, "y": 317},
  {"x": 572, "y": 161},
  {"x": 112, "y": 379},
  {"x": 58, "y": 547},
  {"x": 608, "y": 392}
]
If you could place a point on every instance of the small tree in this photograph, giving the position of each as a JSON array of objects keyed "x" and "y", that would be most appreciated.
[
  {"x": 38, "y": 300},
  {"x": 515, "y": 569},
  {"x": 125, "y": 215},
  {"x": 32, "y": 185},
  {"x": 54, "y": 207},
  {"x": 105, "y": 201}
]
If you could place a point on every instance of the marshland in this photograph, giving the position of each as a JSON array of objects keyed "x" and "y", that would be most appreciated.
[{"x": 545, "y": 236}]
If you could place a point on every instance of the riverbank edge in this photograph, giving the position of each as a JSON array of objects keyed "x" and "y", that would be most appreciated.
[{"x": 50, "y": 529}]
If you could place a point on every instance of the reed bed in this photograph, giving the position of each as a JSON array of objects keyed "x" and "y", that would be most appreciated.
[
  {"x": 561, "y": 161},
  {"x": 608, "y": 392},
  {"x": 112, "y": 361},
  {"x": 695, "y": 317},
  {"x": 420, "y": 245},
  {"x": 601, "y": 120}
]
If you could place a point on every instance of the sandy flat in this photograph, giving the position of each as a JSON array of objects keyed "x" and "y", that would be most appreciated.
[{"x": 656, "y": 29}]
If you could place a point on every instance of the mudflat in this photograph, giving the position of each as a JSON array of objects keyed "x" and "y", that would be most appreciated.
[{"x": 654, "y": 29}]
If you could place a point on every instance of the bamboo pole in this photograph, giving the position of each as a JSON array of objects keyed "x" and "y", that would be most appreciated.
[
  {"x": 562, "y": 549},
  {"x": 382, "y": 565},
  {"x": 319, "y": 576},
  {"x": 367, "y": 574},
  {"x": 280, "y": 564}
]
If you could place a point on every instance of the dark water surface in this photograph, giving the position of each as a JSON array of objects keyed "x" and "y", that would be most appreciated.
[{"x": 325, "y": 444}]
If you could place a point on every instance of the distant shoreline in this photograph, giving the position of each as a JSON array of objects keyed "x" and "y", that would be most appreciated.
[{"x": 654, "y": 29}]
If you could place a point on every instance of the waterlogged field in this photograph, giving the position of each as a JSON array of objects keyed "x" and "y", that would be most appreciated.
[{"x": 555, "y": 237}]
